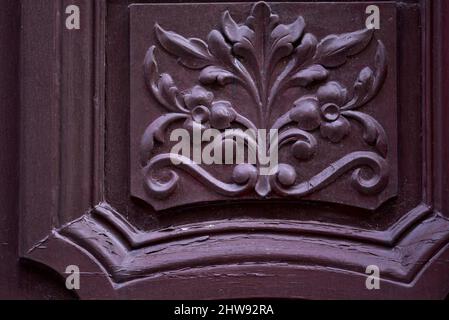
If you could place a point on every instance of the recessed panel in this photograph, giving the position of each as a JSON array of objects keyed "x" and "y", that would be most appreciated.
[{"x": 284, "y": 101}]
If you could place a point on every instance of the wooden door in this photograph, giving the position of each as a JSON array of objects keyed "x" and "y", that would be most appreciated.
[{"x": 355, "y": 92}]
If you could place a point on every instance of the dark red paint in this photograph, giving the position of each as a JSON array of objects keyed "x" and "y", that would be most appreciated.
[{"x": 66, "y": 168}]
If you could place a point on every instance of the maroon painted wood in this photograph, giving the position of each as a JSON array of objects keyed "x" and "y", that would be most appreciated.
[
  {"x": 90, "y": 141},
  {"x": 19, "y": 279},
  {"x": 300, "y": 81}
]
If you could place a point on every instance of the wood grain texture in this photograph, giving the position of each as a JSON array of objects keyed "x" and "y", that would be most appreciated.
[{"x": 298, "y": 249}]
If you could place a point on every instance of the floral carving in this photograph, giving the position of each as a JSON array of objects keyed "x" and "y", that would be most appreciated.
[{"x": 266, "y": 57}]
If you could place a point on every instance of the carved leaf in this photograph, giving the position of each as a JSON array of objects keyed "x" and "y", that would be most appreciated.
[
  {"x": 213, "y": 74},
  {"x": 283, "y": 37},
  {"x": 270, "y": 43},
  {"x": 373, "y": 132},
  {"x": 381, "y": 68},
  {"x": 299, "y": 57},
  {"x": 262, "y": 21},
  {"x": 219, "y": 48},
  {"x": 362, "y": 86},
  {"x": 222, "y": 51},
  {"x": 305, "y": 50},
  {"x": 192, "y": 53},
  {"x": 234, "y": 32},
  {"x": 334, "y": 50},
  {"x": 310, "y": 75},
  {"x": 242, "y": 39},
  {"x": 162, "y": 87},
  {"x": 369, "y": 83},
  {"x": 155, "y": 132}
]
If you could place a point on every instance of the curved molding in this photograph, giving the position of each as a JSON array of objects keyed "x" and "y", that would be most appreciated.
[
  {"x": 138, "y": 239},
  {"x": 128, "y": 257},
  {"x": 292, "y": 281},
  {"x": 127, "y": 253}
]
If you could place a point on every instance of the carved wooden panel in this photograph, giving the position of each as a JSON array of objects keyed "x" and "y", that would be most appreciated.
[
  {"x": 362, "y": 172},
  {"x": 328, "y": 88}
]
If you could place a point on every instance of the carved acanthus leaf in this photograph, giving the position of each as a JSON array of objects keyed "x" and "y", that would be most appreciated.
[
  {"x": 162, "y": 86},
  {"x": 368, "y": 82},
  {"x": 192, "y": 53},
  {"x": 373, "y": 133},
  {"x": 156, "y": 132},
  {"x": 300, "y": 57},
  {"x": 283, "y": 37},
  {"x": 334, "y": 50},
  {"x": 216, "y": 75},
  {"x": 310, "y": 75}
]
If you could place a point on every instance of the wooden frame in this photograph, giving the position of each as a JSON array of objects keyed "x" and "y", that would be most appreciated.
[{"x": 65, "y": 218}]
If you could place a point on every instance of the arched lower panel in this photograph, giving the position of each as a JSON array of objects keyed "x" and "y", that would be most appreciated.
[{"x": 114, "y": 258}]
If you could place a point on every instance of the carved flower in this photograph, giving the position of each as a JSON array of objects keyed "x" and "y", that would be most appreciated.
[
  {"x": 306, "y": 113},
  {"x": 323, "y": 111},
  {"x": 198, "y": 96},
  {"x": 219, "y": 114},
  {"x": 222, "y": 114}
]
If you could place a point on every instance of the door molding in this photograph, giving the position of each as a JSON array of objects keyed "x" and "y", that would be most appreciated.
[{"x": 65, "y": 217}]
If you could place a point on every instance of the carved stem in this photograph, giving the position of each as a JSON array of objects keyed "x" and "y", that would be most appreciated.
[
  {"x": 283, "y": 181},
  {"x": 245, "y": 176}
]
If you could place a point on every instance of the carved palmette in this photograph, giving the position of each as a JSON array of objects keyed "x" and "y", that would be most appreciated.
[{"x": 266, "y": 58}]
